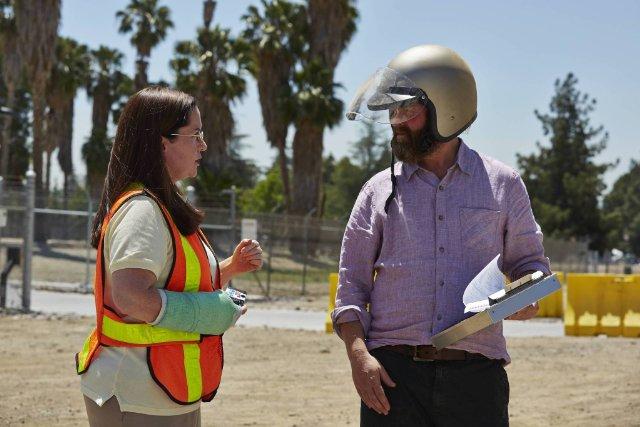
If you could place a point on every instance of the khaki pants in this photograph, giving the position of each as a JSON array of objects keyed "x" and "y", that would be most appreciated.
[{"x": 109, "y": 415}]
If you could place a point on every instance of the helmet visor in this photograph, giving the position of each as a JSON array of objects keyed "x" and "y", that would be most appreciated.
[{"x": 387, "y": 97}]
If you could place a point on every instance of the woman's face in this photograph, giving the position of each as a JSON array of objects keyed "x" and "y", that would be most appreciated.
[{"x": 182, "y": 155}]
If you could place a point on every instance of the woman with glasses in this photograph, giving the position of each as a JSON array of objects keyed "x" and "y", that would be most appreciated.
[{"x": 161, "y": 301}]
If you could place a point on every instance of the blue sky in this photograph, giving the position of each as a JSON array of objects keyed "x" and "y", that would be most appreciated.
[{"x": 515, "y": 48}]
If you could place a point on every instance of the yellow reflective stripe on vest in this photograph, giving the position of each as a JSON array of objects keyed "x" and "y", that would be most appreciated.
[
  {"x": 192, "y": 371},
  {"x": 192, "y": 267},
  {"x": 143, "y": 334},
  {"x": 83, "y": 356}
]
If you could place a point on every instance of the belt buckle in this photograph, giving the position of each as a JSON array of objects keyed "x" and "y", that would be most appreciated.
[{"x": 419, "y": 359}]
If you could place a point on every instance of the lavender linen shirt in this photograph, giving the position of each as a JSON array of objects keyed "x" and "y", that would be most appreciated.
[{"x": 412, "y": 265}]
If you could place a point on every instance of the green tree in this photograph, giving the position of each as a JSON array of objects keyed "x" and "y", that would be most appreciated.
[
  {"x": 11, "y": 76},
  {"x": 344, "y": 179},
  {"x": 109, "y": 87},
  {"x": 37, "y": 26},
  {"x": 19, "y": 133},
  {"x": 239, "y": 172},
  {"x": 331, "y": 26},
  {"x": 212, "y": 68},
  {"x": 563, "y": 181},
  {"x": 149, "y": 24},
  {"x": 342, "y": 189},
  {"x": 371, "y": 151},
  {"x": 621, "y": 209},
  {"x": 70, "y": 73},
  {"x": 276, "y": 37},
  {"x": 267, "y": 196}
]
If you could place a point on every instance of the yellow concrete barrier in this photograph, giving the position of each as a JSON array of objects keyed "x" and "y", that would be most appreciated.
[
  {"x": 631, "y": 308},
  {"x": 602, "y": 304},
  {"x": 551, "y": 305},
  {"x": 591, "y": 304},
  {"x": 333, "y": 287}
]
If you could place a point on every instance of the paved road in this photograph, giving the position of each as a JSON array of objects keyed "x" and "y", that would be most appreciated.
[{"x": 82, "y": 304}]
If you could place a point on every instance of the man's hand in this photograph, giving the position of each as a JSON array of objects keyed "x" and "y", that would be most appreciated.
[
  {"x": 368, "y": 375},
  {"x": 526, "y": 313}
]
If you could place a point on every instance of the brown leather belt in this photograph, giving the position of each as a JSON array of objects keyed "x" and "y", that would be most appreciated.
[{"x": 428, "y": 353}]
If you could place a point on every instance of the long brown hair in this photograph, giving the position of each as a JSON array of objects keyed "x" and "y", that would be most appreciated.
[{"x": 136, "y": 155}]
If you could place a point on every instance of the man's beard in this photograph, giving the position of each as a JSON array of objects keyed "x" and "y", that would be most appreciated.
[{"x": 414, "y": 146}]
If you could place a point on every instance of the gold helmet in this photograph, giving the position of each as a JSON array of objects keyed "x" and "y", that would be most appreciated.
[{"x": 434, "y": 76}]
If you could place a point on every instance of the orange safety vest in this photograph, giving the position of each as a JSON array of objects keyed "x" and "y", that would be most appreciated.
[{"x": 187, "y": 366}]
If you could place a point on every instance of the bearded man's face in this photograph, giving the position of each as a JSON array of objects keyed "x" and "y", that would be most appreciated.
[{"x": 410, "y": 143}]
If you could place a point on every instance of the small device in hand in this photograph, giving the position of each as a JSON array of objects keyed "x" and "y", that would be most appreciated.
[{"x": 237, "y": 296}]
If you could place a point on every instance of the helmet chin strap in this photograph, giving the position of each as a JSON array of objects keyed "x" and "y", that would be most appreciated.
[{"x": 393, "y": 185}]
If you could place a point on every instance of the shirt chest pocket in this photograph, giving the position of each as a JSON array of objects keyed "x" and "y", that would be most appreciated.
[{"x": 479, "y": 228}]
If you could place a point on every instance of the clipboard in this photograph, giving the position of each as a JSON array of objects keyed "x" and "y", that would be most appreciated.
[{"x": 519, "y": 294}]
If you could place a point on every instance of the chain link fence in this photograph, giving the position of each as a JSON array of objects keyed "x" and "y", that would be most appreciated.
[{"x": 299, "y": 251}]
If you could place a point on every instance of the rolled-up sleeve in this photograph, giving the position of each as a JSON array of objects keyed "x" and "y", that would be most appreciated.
[
  {"x": 360, "y": 245},
  {"x": 523, "y": 250}
]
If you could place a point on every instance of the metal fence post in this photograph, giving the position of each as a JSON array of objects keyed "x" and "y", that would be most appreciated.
[
  {"x": 269, "y": 238},
  {"x": 28, "y": 239},
  {"x": 232, "y": 215},
  {"x": 306, "y": 249}
]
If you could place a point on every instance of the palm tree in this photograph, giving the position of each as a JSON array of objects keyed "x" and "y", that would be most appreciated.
[
  {"x": 37, "y": 25},
  {"x": 277, "y": 40},
  {"x": 211, "y": 68},
  {"x": 151, "y": 24},
  {"x": 331, "y": 26},
  {"x": 108, "y": 86},
  {"x": 11, "y": 75},
  {"x": 69, "y": 73},
  {"x": 317, "y": 107}
]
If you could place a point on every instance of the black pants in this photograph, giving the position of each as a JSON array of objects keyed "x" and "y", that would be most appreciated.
[{"x": 441, "y": 393}]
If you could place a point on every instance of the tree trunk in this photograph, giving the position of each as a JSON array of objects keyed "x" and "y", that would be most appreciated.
[
  {"x": 47, "y": 182},
  {"x": 38, "y": 138},
  {"x": 284, "y": 174},
  {"x": 217, "y": 124},
  {"x": 100, "y": 118},
  {"x": 6, "y": 134},
  {"x": 141, "y": 81},
  {"x": 274, "y": 84},
  {"x": 101, "y": 108},
  {"x": 40, "y": 229},
  {"x": 307, "y": 174},
  {"x": 65, "y": 147},
  {"x": 307, "y": 167}
]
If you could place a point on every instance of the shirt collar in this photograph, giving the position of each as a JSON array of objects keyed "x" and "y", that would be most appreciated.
[{"x": 463, "y": 160}]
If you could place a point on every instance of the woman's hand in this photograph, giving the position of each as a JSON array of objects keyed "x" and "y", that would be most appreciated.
[{"x": 247, "y": 257}]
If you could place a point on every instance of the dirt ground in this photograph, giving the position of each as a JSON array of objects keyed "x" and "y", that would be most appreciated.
[{"x": 298, "y": 378}]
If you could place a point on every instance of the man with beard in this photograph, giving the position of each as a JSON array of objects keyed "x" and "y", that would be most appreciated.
[{"x": 416, "y": 237}]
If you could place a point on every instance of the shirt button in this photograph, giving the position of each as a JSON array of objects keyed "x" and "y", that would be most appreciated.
[
  {"x": 441, "y": 188},
  {"x": 442, "y": 283},
  {"x": 439, "y": 316},
  {"x": 440, "y": 217},
  {"x": 441, "y": 249}
]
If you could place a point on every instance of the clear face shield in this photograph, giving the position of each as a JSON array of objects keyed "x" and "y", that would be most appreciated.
[{"x": 387, "y": 97}]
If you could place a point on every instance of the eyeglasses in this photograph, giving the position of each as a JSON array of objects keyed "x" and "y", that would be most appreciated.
[{"x": 199, "y": 135}]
